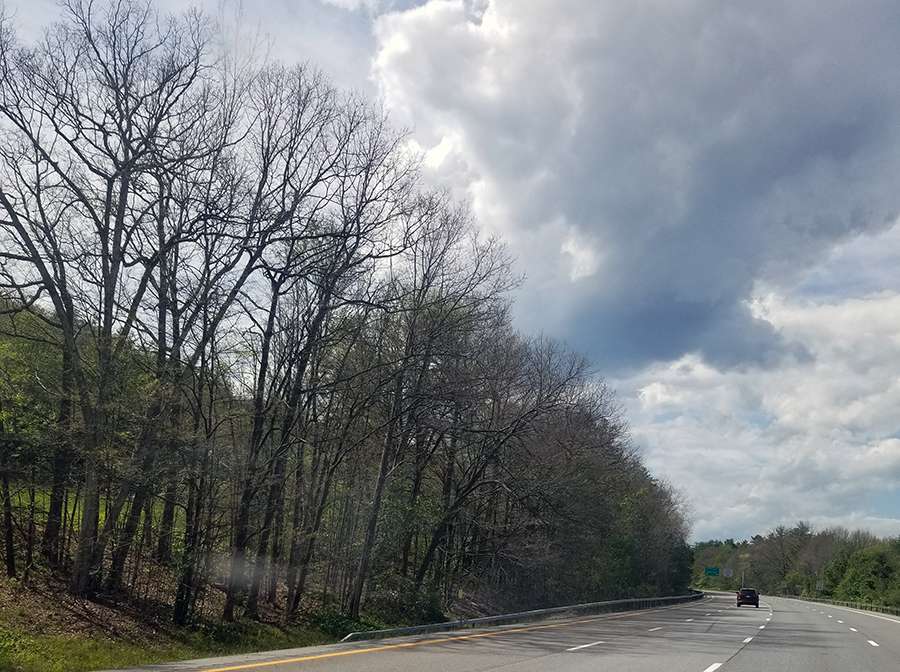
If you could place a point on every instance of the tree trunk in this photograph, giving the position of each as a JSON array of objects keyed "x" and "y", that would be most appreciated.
[
  {"x": 8, "y": 540},
  {"x": 311, "y": 537},
  {"x": 449, "y": 512},
  {"x": 62, "y": 460},
  {"x": 83, "y": 572},
  {"x": 436, "y": 538},
  {"x": 297, "y": 526},
  {"x": 123, "y": 543},
  {"x": 86, "y": 572},
  {"x": 184, "y": 594},
  {"x": 262, "y": 550},
  {"x": 67, "y": 543},
  {"x": 238, "y": 568},
  {"x": 409, "y": 524},
  {"x": 29, "y": 540},
  {"x": 362, "y": 569},
  {"x": 167, "y": 520}
]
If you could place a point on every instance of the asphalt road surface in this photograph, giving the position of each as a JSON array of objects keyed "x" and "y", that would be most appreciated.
[{"x": 702, "y": 636}]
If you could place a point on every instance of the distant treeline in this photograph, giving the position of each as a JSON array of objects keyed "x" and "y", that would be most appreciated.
[
  {"x": 250, "y": 366},
  {"x": 833, "y": 563}
]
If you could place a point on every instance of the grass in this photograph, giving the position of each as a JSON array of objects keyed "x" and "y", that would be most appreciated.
[
  {"x": 43, "y": 631},
  {"x": 23, "y": 652}
]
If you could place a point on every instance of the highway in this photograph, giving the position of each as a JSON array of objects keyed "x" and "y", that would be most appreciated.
[{"x": 702, "y": 636}]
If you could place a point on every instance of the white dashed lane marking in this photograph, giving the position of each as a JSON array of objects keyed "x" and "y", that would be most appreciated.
[
  {"x": 584, "y": 646},
  {"x": 659, "y": 627},
  {"x": 853, "y": 630},
  {"x": 748, "y": 640},
  {"x": 873, "y": 643},
  {"x": 713, "y": 667}
]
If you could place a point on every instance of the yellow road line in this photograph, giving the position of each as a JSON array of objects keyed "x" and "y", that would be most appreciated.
[{"x": 407, "y": 645}]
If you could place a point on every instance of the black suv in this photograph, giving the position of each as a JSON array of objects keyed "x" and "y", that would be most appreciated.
[{"x": 748, "y": 596}]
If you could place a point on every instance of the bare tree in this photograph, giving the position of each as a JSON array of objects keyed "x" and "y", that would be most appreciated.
[{"x": 280, "y": 367}]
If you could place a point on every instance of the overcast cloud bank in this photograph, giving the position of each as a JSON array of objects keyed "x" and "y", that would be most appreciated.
[
  {"x": 681, "y": 184},
  {"x": 704, "y": 199}
]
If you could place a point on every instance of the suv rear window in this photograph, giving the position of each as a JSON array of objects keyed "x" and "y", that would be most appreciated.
[{"x": 748, "y": 591}]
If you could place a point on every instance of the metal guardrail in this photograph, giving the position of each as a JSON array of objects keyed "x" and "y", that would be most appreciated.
[
  {"x": 522, "y": 616},
  {"x": 863, "y": 606}
]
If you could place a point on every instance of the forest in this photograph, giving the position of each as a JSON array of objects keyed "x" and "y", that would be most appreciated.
[
  {"x": 835, "y": 563},
  {"x": 253, "y": 367}
]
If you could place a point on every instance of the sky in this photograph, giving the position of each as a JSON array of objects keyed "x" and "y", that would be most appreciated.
[{"x": 704, "y": 198}]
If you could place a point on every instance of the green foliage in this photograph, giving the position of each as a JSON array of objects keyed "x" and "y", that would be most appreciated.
[
  {"x": 394, "y": 599},
  {"x": 835, "y": 570},
  {"x": 872, "y": 575},
  {"x": 836, "y": 563},
  {"x": 29, "y": 381},
  {"x": 722, "y": 554},
  {"x": 795, "y": 583},
  {"x": 336, "y": 624}
]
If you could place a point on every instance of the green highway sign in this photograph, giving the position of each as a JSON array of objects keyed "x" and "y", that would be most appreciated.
[{"x": 711, "y": 571}]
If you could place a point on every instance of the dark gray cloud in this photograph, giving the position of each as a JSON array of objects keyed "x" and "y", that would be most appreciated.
[
  {"x": 690, "y": 150},
  {"x": 704, "y": 197},
  {"x": 697, "y": 148}
]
